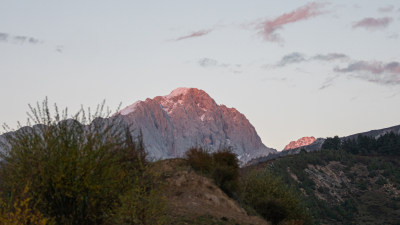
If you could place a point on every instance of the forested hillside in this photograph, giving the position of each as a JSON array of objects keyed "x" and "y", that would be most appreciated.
[{"x": 355, "y": 181}]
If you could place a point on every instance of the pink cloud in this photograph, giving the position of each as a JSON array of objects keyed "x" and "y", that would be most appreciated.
[
  {"x": 373, "y": 23},
  {"x": 374, "y": 67},
  {"x": 194, "y": 34},
  {"x": 374, "y": 71},
  {"x": 268, "y": 28}
]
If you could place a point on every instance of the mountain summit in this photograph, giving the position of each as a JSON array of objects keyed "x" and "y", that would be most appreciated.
[
  {"x": 189, "y": 117},
  {"x": 304, "y": 141}
]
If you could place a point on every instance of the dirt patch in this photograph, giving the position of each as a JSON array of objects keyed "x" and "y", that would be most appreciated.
[{"x": 192, "y": 195}]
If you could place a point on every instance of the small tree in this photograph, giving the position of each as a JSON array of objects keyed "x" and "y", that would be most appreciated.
[
  {"x": 226, "y": 171},
  {"x": 222, "y": 166}
]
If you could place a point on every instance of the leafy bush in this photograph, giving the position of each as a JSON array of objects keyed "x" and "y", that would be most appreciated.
[
  {"x": 272, "y": 199},
  {"x": 78, "y": 172},
  {"x": 226, "y": 171},
  {"x": 142, "y": 204},
  {"x": 200, "y": 160},
  {"x": 222, "y": 166}
]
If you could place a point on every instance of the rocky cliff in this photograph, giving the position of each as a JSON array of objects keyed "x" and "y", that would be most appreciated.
[
  {"x": 300, "y": 143},
  {"x": 189, "y": 117}
]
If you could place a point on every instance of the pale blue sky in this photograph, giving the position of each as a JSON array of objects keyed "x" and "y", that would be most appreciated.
[{"x": 341, "y": 73}]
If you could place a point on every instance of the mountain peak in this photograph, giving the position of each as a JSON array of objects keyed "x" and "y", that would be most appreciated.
[
  {"x": 300, "y": 143},
  {"x": 188, "y": 98},
  {"x": 179, "y": 91},
  {"x": 189, "y": 117}
]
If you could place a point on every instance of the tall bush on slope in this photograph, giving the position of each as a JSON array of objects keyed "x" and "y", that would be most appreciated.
[{"x": 80, "y": 170}]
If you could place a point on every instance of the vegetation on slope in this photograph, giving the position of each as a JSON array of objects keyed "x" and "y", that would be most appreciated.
[
  {"x": 84, "y": 170},
  {"x": 62, "y": 171},
  {"x": 258, "y": 191},
  {"x": 355, "y": 181},
  {"x": 192, "y": 198},
  {"x": 88, "y": 170}
]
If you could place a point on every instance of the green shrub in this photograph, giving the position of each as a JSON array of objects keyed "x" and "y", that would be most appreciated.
[
  {"x": 222, "y": 166},
  {"x": 271, "y": 198},
  {"x": 143, "y": 204},
  {"x": 200, "y": 160},
  {"x": 226, "y": 171}
]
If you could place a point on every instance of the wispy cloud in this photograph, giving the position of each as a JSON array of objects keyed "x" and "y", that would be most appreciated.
[
  {"x": 297, "y": 57},
  {"x": 386, "y": 9},
  {"x": 291, "y": 58},
  {"x": 383, "y": 73},
  {"x": 328, "y": 82},
  {"x": 374, "y": 71},
  {"x": 59, "y": 48},
  {"x": 18, "y": 39},
  {"x": 207, "y": 62},
  {"x": 329, "y": 56},
  {"x": 212, "y": 63},
  {"x": 373, "y": 23},
  {"x": 3, "y": 37},
  {"x": 374, "y": 67},
  {"x": 268, "y": 28},
  {"x": 194, "y": 34}
]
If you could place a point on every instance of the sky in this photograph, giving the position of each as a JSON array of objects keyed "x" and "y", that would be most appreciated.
[{"x": 295, "y": 68}]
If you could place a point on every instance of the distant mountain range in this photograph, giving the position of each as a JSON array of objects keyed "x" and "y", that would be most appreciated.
[{"x": 311, "y": 144}]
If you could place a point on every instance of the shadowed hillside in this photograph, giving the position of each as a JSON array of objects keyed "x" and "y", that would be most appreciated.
[{"x": 356, "y": 181}]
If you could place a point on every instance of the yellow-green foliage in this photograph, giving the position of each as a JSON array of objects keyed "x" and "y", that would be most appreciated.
[
  {"x": 143, "y": 204},
  {"x": 22, "y": 212}
]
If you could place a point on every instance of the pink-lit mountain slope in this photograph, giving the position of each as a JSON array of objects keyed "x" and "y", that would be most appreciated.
[
  {"x": 189, "y": 117},
  {"x": 304, "y": 141}
]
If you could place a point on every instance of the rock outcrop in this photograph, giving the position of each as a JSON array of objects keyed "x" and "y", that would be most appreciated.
[
  {"x": 189, "y": 117},
  {"x": 304, "y": 141}
]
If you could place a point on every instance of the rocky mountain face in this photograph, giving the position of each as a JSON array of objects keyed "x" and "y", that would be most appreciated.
[
  {"x": 189, "y": 117},
  {"x": 300, "y": 143}
]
